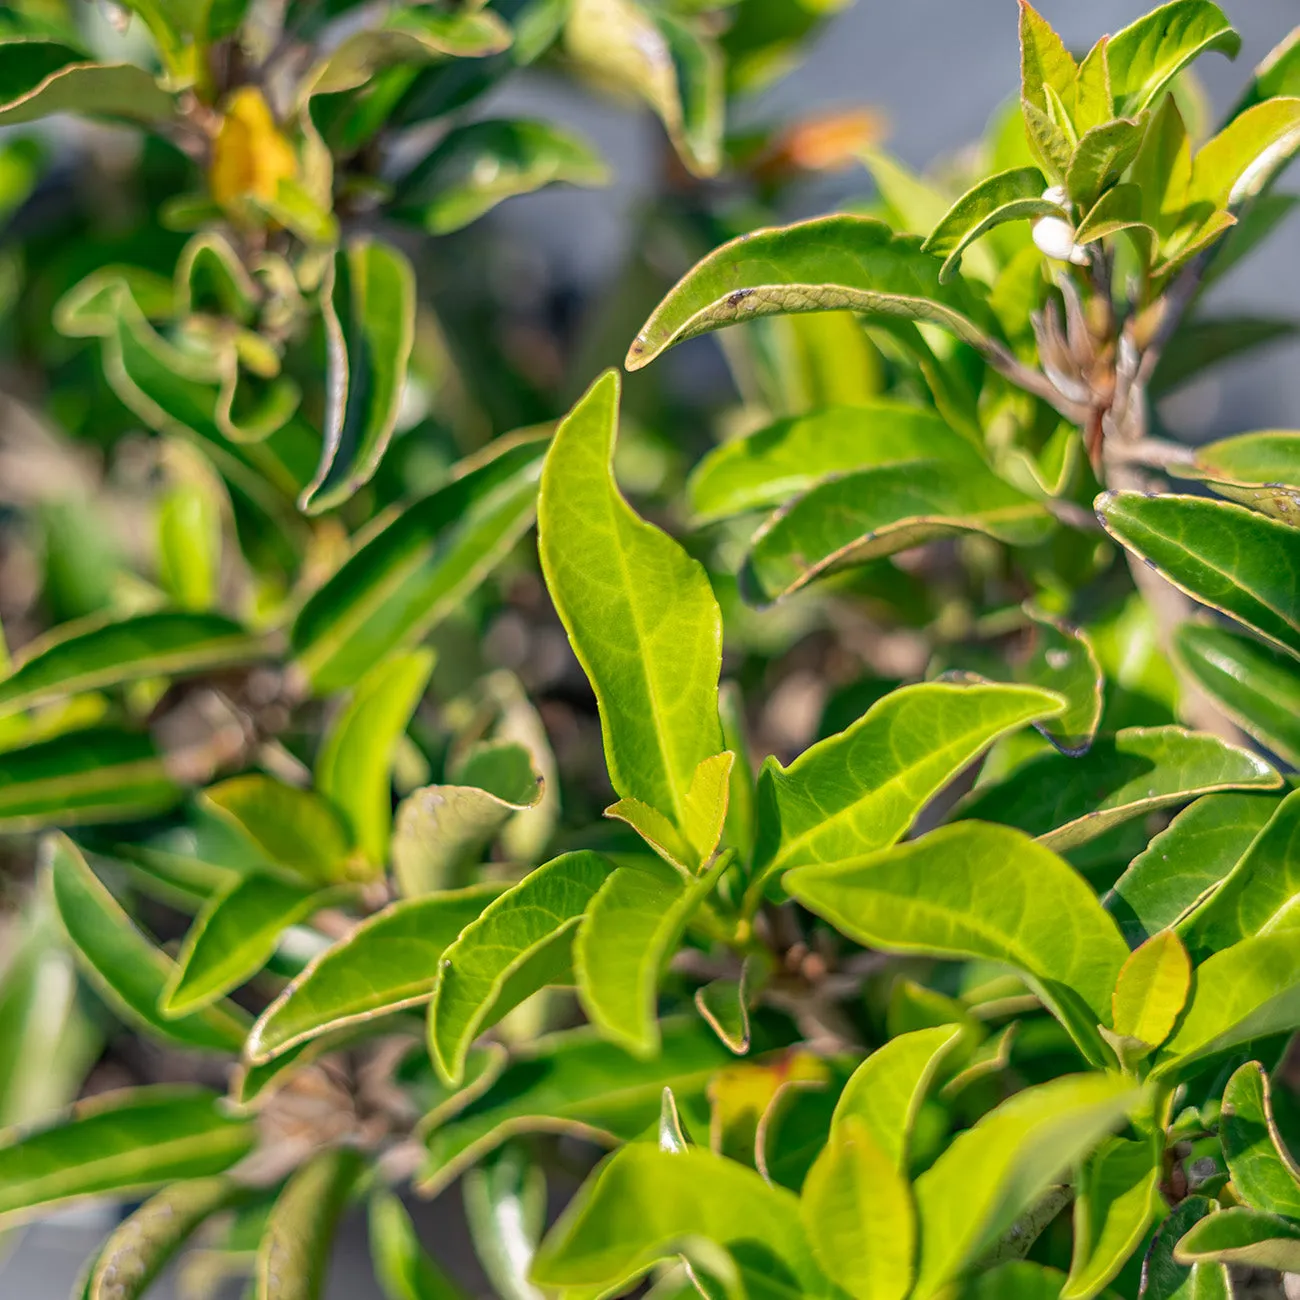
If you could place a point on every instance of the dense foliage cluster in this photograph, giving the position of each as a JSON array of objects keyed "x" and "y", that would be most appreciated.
[{"x": 982, "y": 983}]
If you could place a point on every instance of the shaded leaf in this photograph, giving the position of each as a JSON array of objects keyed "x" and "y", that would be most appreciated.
[
  {"x": 39, "y": 77},
  {"x": 1200, "y": 344},
  {"x": 1245, "y": 1237},
  {"x": 724, "y": 1006},
  {"x": 1263, "y": 1172},
  {"x": 1258, "y": 469},
  {"x": 403, "y": 1268},
  {"x": 1163, "y": 1278},
  {"x": 506, "y": 1202},
  {"x": 1063, "y": 659}
]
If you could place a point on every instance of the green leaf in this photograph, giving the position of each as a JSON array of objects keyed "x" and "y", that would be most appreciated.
[
  {"x": 1199, "y": 344},
  {"x": 100, "y": 774},
  {"x": 1247, "y": 991},
  {"x": 1017, "y": 1280},
  {"x": 975, "y": 890},
  {"x": 857, "y": 1212},
  {"x": 994, "y": 1172},
  {"x": 189, "y": 531},
  {"x": 403, "y": 1268},
  {"x": 885, "y": 1092},
  {"x": 369, "y": 319},
  {"x": 1256, "y": 896},
  {"x": 643, "y": 1204},
  {"x": 295, "y": 1249},
  {"x": 874, "y": 512},
  {"x": 703, "y": 814},
  {"x": 475, "y": 167},
  {"x": 389, "y": 962},
  {"x": 506, "y": 1203},
  {"x": 1182, "y": 865},
  {"x": 1048, "y": 76},
  {"x": 1263, "y": 1173},
  {"x": 1163, "y": 1278},
  {"x": 640, "y": 614},
  {"x": 723, "y": 1004},
  {"x": 1101, "y": 158},
  {"x": 1243, "y": 1237},
  {"x": 233, "y": 937},
  {"x": 840, "y": 263},
  {"x": 118, "y": 1143},
  {"x": 792, "y": 455},
  {"x": 39, "y": 77},
  {"x": 124, "y": 967},
  {"x": 140, "y": 1247},
  {"x": 418, "y": 569},
  {"x": 521, "y": 942},
  {"x": 170, "y": 644},
  {"x": 1152, "y": 989},
  {"x": 442, "y": 828},
  {"x": 1063, "y": 659},
  {"x": 1147, "y": 55},
  {"x": 1069, "y": 801},
  {"x": 626, "y": 938},
  {"x": 1007, "y": 196},
  {"x": 1225, "y": 556},
  {"x": 1239, "y": 162},
  {"x": 1257, "y": 469},
  {"x": 575, "y": 1082},
  {"x": 1118, "y": 209},
  {"x": 355, "y": 764},
  {"x": 860, "y": 790}
]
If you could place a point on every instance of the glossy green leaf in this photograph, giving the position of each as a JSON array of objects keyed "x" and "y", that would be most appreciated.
[
  {"x": 976, "y": 890},
  {"x": 1145, "y": 56},
  {"x": 233, "y": 937},
  {"x": 1048, "y": 77},
  {"x": 992, "y": 1173},
  {"x": 294, "y": 828},
  {"x": 355, "y": 765},
  {"x": 1264, "y": 1175},
  {"x": 506, "y": 1205},
  {"x": 1244, "y": 157},
  {"x": 1069, "y": 801},
  {"x": 1163, "y": 1278},
  {"x": 1224, "y": 555},
  {"x": 1101, "y": 158},
  {"x": 1184, "y": 863},
  {"x": 723, "y": 1004},
  {"x": 1247, "y": 991},
  {"x": 125, "y": 968},
  {"x": 370, "y": 327},
  {"x": 140, "y": 1247},
  {"x": 1119, "y": 209},
  {"x": 389, "y": 962},
  {"x": 1063, "y": 659},
  {"x": 639, "y": 612},
  {"x": 1152, "y": 989},
  {"x": 885, "y": 1092},
  {"x": 1007, "y": 196},
  {"x": 475, "y": 167},
  {"x": 839, "y": 263},
  {"x": 521, "y": 941},
  {"x": 1257, "y": 469},
  {"x": 792, "y": 455},
  {"x": 418, "y": 569},
  {"x": 100, "y": 774},
  {"x": 1243, "y": 1237},
  {"x": 112, "y": 654},
  {"x": 403, "y": 1268},
  {"x": 857, "y": 1212},
  {"x": 860, "y": 790},
  {"x": 576, "y": 1082},
  {"x": 643, "y": 1204},
  {"x": 295, "y": 1249},
  {"x": 118, "y": 1143},
  {"x": 1115, "y": 1204},
  {"x": 628, "y": 934},
  {"x": 703, "y": 814},
  {"x": 39, "y": 77}
]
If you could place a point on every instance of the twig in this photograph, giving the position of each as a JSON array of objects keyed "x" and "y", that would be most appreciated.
[{"x": 1010, "y": 367}]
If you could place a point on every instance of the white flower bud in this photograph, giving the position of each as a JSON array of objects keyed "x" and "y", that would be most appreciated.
[{"x": 1054, "y": 235}]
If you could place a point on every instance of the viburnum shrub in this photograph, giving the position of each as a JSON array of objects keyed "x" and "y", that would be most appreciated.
[{"x": 980, "y": 986}]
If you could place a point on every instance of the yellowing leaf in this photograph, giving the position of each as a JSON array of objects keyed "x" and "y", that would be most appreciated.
[
  {"x": 250, "y": 156},
  {"x": 1152, "y": 988}
]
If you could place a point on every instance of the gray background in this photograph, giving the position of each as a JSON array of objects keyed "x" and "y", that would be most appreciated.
[{"x": 938, "y": 68}]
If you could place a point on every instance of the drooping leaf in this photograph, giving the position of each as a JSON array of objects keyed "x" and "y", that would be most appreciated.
[
  {"x": 974, "y": 890},
  {"x": 1163, "y": 1278},
  {"x": 860, "y": 790},
  {"x": 39, "y": 77},
  {"x": 506, "y": 1203},
  {"x": 389, "y": 962},
  {"x": 1152, "y": 989},
  {"x": 1063, "y": 659},
  {"x": 1069, "y": 801},
  {"x": 295, "y": 1248},
  {"x": 827, "y": 264},
  {"x": 355, "y": 764},
  {"x": 118, "y": 1142},
  {"x": 857, "y": 1212},
  {"x": 639, "y": 612},
  {"x": 1242, "y": 1236},
  {"x": 1257, "y": 469},
  {"x": 140, "y": 1248},
  {"x": 125, "y": 968},
  {"x": 627, "y": 935},
  {"x": 415, "y": 571},
  {"x": 1146, "y": 55},
  {"x": 403, "y": 1268},
  {"x": 520, "y": 942},
  {"x": 1263, "y": 1173},
  {"x": 992, "y": 1173},
  {"x": 170, "y": 644},
  {"x": 100, "y": 774},
  {"x": 1223, "y": 555},
  {"x": 370, "y": 326}
]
